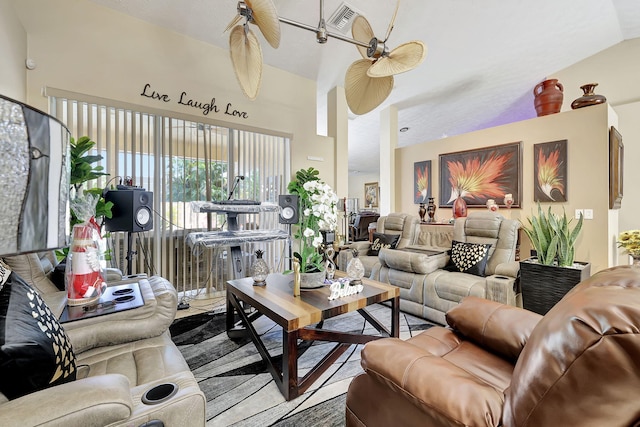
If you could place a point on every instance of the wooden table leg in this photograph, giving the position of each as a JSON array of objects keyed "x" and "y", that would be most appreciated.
[
  {"x": 290, "y": 364},
  {"x": 395, "y": 317}
]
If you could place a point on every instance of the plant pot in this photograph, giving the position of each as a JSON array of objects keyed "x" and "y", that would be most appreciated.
[
  {"x": 312, "y": 280},
  {"x": 544, "y": 285}
]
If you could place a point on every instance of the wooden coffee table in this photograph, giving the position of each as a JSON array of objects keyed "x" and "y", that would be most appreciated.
[{"x": 302, "y": 318}]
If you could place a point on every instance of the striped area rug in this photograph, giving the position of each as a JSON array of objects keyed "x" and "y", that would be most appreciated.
[{"x": 241, "y": 393}]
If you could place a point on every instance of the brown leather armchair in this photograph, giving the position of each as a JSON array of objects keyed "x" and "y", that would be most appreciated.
[{"x": 499, "y": 365}]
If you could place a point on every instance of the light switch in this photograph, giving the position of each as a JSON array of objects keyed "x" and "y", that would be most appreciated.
[
  {"x": 578, "y": 212},
  {"x": 588, "y": 214}
]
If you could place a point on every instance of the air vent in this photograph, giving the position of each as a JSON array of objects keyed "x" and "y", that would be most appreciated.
[{"x": 342, "y": 18}]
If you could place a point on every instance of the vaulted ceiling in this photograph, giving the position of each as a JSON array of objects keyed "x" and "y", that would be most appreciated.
[{"x": 484, "y": 57}]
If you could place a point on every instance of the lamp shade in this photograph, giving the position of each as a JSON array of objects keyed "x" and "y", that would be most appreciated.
[{"x": 35, "y": 170}]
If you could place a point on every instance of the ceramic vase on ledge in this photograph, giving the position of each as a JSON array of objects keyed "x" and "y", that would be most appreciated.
[
  {"x": 431, "y": 210},
  {"x": 422, "y": 211},
  {"x": 459, "y": 207},
  {"x": 589, "y": 98},
  {"x": 548, "y": 97}
]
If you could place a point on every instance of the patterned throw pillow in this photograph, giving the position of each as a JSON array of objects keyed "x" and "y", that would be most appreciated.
[
  {"x": 35, "y": 352},
  {"x": 381, "y": 241},
  {"x": 470, "y": 257}
]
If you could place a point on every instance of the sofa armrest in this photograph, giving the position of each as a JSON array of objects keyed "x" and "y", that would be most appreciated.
[
  {"x": 503, "y": 329},
  {"x": 94, "y": 401},
  {"x": 426, "y": 380},
  {"x": 345, "y": 254},
  {"x": 509, "y": 269},
  {"x": 150, "y": 320}
]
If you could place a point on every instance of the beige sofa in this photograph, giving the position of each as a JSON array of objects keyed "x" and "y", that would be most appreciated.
[
  {"x": 429, "y": 288},
  {"x": 405, "y": 225},
  {"x": 126, "y": 365}
]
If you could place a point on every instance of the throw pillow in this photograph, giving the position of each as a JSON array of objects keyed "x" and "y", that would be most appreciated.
[
  {"x": 470, "y": 257},
  {"x": 381, "y": 241},
  {"x": 35, "y": 352}
]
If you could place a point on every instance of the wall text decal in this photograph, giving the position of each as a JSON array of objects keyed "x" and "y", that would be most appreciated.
[{"x": 185, "y": 99}]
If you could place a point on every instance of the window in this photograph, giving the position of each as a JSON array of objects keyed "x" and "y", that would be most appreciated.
[{"x": 180, "y": 161}]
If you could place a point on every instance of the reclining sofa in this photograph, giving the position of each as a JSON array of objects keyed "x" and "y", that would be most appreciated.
[
  {"x": 129, "y": 372},
  {"x": 430, "y": 282}
]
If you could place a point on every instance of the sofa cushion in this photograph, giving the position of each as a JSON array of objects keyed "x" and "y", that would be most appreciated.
[
  {"x": 470, "y": 257},
  {"x": 412, "y": 262},
  {"x": 35, "y": 352},
  {"x": 381, "y": 240}
]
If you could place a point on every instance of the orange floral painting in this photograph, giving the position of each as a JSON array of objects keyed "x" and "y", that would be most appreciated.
[
  {"x": 422, "y": 181},
  {"x": 482, "y": 174},
  {"x": 550, "y": 171}
]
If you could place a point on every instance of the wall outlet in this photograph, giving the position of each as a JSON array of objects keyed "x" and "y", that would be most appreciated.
[
  {"x": 578, "y": 212},
  {"x": 588, "y": 214}
]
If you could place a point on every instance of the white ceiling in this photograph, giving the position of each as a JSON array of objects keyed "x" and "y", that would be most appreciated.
[{"x": 483, "y": 60}]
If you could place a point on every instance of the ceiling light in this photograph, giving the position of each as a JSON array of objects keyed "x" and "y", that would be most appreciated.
[
  {"x": 368, "y": 81},
  {"x": 404, "y": 129}
]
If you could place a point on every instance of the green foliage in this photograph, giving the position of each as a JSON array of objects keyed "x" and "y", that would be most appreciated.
[
  {"x": 552, "y": 237},
  {"x": 309, "y": 257},
  {"x": 82, "y": 169},
  {"x": 189, "y": 180}
]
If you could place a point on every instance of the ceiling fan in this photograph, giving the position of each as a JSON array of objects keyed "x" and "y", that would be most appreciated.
[{"x": 368, "y": 81}]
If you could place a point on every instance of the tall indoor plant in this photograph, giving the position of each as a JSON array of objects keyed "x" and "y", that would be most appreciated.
[
  {"x": 548, "y": 276},
  {"x": 317, "y": 211}
]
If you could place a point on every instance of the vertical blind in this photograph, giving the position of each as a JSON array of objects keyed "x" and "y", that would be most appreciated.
[{"x": 180, "y": 161}]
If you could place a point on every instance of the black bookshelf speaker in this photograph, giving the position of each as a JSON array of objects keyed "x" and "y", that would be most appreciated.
[
  {"x": 132, "y": 210},
  {"x": 288, "y": 209}
]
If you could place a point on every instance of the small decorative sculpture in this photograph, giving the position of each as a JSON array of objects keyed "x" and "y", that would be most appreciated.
[
  {"x": 492, "y": 205},
  {"x": 330, "y": 266},
  {"x": 508, "y": 200}
]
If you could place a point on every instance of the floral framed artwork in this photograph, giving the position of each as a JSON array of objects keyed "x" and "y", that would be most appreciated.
[
  {"x": 550, "y": 171},
  {"x": 371, "y": 194},
  {"x": 616, "y": 161},
  {"x": 482, "y": 174},
  {"x": 421, "y": 181}
]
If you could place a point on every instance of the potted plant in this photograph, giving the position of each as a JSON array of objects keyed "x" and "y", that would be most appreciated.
[
  {"x": 83, "y": 170},
  {"x": 317, "y": 211},
  {"x": 548, "y": 276},
  {"x": 630, "y": 241}
]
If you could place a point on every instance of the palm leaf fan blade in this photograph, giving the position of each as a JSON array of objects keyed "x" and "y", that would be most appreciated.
[
  {"x": 362, "y": 92},
  {"x": 362, "y": 32},
  {"x": 393, "y": 20},
  {"x": 235, "y": 21},
  {"x": 246, "y": 57},
  {"x": 265, "y": 17},
  {"x": 404, "y": 58}
]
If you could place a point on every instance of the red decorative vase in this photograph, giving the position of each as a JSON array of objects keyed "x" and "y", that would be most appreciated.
[
  {"x": 548, "y": 97},
  {"x": 459, "y": 207}
]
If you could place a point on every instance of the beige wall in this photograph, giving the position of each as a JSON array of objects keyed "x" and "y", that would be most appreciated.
[
  {"x": 13, "y": 51},
  {"x": 616, "y": 71},
  {"x": 586, "y": 131},
  {"x": 356, "y": 186},
  {"x": 85, "y": 48}
]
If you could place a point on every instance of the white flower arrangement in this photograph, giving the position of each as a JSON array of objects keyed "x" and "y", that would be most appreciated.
[{"x": 318, "y": 207}]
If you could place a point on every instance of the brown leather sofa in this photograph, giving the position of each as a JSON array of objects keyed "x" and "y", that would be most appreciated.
[{"x": 499, "y": 365}]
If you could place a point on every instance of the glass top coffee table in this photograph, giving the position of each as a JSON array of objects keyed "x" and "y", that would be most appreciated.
[{"x": 302, "y": 318}]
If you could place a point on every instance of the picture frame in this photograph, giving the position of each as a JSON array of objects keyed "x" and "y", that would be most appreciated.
[
  {"x": 550, "y": 171},
  {"x": 616, "y": 166},
  {"x": 500, "y": 165},
  {"x": 422, "y": 182},
  {"x": 371, "y": 194}
]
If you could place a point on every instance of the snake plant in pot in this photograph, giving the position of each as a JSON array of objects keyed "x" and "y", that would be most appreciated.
[{"x": 548, "y": 276}]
